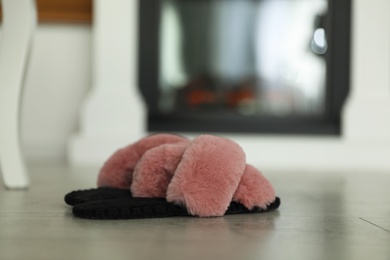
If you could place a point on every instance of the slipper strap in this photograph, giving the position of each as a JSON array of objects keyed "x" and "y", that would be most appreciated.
[
  {"x": 207, "y": 176},
  {"x": 254, "y": 190},
  {"x": 155, "y": 169}
]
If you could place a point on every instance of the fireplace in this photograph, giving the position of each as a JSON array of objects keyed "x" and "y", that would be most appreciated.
[{"x": 246, "y": 66}]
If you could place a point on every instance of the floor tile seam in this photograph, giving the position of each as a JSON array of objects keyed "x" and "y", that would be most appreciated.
[{"x": 375, "y": 225}]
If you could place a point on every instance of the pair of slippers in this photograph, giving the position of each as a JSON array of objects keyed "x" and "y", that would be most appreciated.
[{"x": 165, "y": 175}]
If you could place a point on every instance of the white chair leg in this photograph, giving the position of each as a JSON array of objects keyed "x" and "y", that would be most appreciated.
[{"x": 19, "y": 21}]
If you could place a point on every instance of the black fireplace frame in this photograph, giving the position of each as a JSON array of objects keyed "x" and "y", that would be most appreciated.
[{"x": 337, "y": 83}]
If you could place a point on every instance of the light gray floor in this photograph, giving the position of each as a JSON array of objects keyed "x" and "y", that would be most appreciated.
[{"x": 322, "y": 216}]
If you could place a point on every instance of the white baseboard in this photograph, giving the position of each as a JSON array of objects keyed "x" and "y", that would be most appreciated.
[
  {"x": 84, "y": 151},
  {"x": 312, "y": 153},
  {"x": 271, "y": 153}
]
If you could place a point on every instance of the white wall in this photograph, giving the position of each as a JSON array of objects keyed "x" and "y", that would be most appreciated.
[{"x": 57, "y": 80}]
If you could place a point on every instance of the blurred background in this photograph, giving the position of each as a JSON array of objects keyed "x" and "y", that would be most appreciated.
[
  {"x": 246, "y": 66},
  {"x": 249, "y": 57},
  {"x": 253, "y": 68}
]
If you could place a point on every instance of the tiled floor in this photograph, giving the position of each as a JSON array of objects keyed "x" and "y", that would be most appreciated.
[{"x": 322, "y": 216}]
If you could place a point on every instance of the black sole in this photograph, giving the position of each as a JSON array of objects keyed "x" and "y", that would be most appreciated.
[{"x": 136, "y": 208}]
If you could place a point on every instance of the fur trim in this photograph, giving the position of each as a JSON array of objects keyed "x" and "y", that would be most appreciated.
[
  {"x": 207, "y": 176},
  {"x": 117, "y": 171},
  {"x": 155, "y": 169},
  {"x": 254, "y": 189}
]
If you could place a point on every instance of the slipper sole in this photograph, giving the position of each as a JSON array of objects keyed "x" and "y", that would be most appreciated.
[{"x": 137, "y": 208}]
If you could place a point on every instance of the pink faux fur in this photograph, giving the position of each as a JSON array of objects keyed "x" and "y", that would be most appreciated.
[
  {"x": 204, "y": 175},
  {"x": 207, "y": 176},
  {"x": 117, "y": 172},
  {"x": 254, "y": 189},
  {"x": 154, "y": 171}
]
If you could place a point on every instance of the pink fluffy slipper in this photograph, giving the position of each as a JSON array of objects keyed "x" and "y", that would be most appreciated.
[{"x": 167, "y": 175}]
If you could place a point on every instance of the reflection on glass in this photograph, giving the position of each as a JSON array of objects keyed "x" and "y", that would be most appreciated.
[{"x": 253, "y": 57}]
